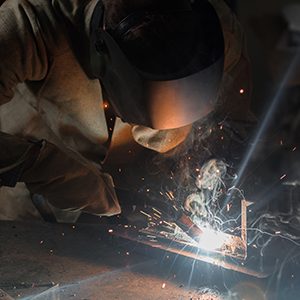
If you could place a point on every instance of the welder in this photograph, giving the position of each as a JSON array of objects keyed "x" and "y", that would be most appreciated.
[{"x": 75, "y": 74}]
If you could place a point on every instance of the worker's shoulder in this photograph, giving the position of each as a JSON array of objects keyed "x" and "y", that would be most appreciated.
[
  {"x": 69, "y": 9},
  {"x": 55, "y": 20}
]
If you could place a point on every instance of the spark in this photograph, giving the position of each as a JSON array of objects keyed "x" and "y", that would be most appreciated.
[
  {"x": 175, "y": 207},
  {"x": 283, "y": 176},
  {"x": 147, "y": 215},
  {"x": 167, "y": 223},
  {"x": 151, "y": 236},
  {"x": 228, "y": 206},
  {"x": 170, "y": 195},
  {"x": 156, "y": 210},
  {"x": 242, "y": 91}
]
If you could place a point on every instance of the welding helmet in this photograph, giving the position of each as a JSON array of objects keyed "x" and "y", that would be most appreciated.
[{"x": 163, "y": 96}]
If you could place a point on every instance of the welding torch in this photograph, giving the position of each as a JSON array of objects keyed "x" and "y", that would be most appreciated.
[
  {"x": 174, "y": 214},
  {"x": 180, "y": 217},
  {"x": 185, "y": 223}
]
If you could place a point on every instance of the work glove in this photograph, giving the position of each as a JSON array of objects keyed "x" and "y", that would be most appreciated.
[
  {"x": 65, "y": 178},
  {"x": 16, "y": 155}
]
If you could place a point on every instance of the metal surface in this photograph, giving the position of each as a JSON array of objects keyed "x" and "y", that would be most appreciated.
[
  {"x": 188, "y": 250},
  {"x": 190, "y": 228},
  {"x": 197, "y": 234}
]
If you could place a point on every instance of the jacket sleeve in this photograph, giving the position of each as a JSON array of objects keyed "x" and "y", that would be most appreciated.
[
  {"x": 23, "y": 55},
  {"x": 68, "y": 181},
  {"x": 63, "y": 177}
]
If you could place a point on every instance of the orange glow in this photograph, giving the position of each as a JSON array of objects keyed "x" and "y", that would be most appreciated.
[{"x": 105, "y": 105}]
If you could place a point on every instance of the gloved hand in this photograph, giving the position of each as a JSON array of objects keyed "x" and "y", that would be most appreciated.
[
  {"x": 65, "y": 178},
  {"x": 16, "y": 155},
  {"x": 68, "y": 181}
]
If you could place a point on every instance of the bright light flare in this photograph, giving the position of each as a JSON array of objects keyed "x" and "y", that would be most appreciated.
[{"x": 212, "y": 240}]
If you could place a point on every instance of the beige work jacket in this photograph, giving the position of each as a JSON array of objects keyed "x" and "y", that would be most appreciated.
[{"x": 46, "y": 93}]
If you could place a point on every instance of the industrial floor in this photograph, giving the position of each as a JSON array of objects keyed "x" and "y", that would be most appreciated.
[
  {"x": 53, "y": 261},
  {"x": 62, "y": 261}
]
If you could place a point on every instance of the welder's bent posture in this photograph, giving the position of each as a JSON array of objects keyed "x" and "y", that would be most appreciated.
[{"x": 159, "y": 64}]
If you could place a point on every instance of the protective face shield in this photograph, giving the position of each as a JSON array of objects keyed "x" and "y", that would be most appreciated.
[{"x": 160, "y": 99}]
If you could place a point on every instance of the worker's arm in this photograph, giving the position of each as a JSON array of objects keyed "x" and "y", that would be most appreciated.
[
  {"x": 23, "y": 55},
  {"x": 62, "y": 176}
]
